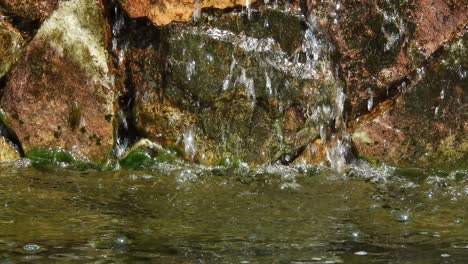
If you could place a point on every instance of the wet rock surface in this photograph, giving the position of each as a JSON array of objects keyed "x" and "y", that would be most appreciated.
[
  {"x": 427, "y": 126},
  {"x": 167, "y": 11},
  {"x": 60, "y": 94},
  {"x": 234, "y": 87},
  {"x": 381, "y": 42},
  {"x": 10, "y": 44},
  {"x": 29, "y": 9}
]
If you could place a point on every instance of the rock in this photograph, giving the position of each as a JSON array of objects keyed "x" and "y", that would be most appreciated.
[
  {"x": 381, "y": 42},
  {"x": 10, "y": 43},
  {"x": 427, "y": 125},
  {"x": 29, "y": 9},
  {"x": 60, "y": 94},
  {"x": 8, "y": 152},
  {"x": 235, "y": 88},
  {"x": 166, "y": 11}
]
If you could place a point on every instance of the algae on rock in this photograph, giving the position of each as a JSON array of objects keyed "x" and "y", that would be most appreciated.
[{"x": 65, "y": 67}]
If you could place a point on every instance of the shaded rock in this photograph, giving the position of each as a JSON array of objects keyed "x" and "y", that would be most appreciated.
[
  {"x": 166, "y": 11},
  {"x": 233, "y": 87},
  {"x": 60, "y": 95},
  {"x": 381, "y": 42},
  {"x": 427, "y": 126},
  {"x": 10, "y": 43},
  {"x": 29, "y": 9}
]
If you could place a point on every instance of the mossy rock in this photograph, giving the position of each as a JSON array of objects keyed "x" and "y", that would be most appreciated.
[{"x": 146, "y": 154}]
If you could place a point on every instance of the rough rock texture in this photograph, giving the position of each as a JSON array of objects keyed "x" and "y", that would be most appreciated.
[
  {"x": 427, "y": 126},
  {"x": 381, "y": 42},
  {"x": 60, "y": 94},
  {"x": 10, "y": 43},
  {"x": 29, "y": 9},
  {"x": 166, "y": 11},
  {"x": 257, "y": 89}
]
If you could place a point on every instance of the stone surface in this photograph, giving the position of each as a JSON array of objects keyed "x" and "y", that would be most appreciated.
[
  {"x": 426, "y": 126},
  {"x": 29, "y": 9},
  {"x": 10, "y": 44},
  {"x": 166, "y": 11},
  {"x": 381, "y": 42},
  {"x": 60, "y": 94},
  {"x": 257, "y": 89}
]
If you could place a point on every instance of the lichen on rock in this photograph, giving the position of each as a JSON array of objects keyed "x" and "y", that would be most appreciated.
[{"x": 10, "y": 46}]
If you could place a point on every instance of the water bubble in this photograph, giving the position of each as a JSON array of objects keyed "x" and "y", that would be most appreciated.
[
  {"x": 458, "y": 221},
  {"x": 121, "y": 240},
  {"x": 445, "y": 255},
  {"x": 403, "y": 218},
  {"x": 360, "y": 253},
  {"x": 31, "y": 248},
  {"x": 355, "y": 234}
]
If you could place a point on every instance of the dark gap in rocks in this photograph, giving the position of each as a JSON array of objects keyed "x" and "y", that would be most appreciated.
[
  {"x": 288, "y": 158},
  {"x": 129, "y": 37},
  {"x": 28, "y": 28}
]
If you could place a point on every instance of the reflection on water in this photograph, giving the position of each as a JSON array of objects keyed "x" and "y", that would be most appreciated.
[{"x": 190, "y": 214}]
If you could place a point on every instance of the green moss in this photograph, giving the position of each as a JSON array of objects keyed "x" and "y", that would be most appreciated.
[
  {"x": 49, "y": 158},
  {"x": 136, "y": 160},
  {"x": 141, "y": 159}
]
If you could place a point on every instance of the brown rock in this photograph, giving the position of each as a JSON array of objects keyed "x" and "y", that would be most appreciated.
[
  {"x": 166, "y": 11},
  {"x": 60, "y": 95},
  {"x": 29, "y": 9},
  {"x": 381, "y": 42},
  {"x": 427, "y": 126}
]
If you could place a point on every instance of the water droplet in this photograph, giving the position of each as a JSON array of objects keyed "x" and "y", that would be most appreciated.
[
  {"x": 355, "y": 234},
  {"x": 360, "y": 253}
]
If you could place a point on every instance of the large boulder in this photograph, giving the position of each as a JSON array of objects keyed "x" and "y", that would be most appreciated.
[
  {"x": 256, "y": 87},
  {"x": 29, "y": 9},
  {"x": 382, "y": 42},
  {"x": 166, "y": 11},
  {"x": 427, "y": 125},
  {"x": 10, "y": 43},
  {"x": 60, "y": 94}
]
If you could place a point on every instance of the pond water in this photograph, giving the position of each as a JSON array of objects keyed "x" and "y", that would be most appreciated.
[{"x": 193, "y": 214}]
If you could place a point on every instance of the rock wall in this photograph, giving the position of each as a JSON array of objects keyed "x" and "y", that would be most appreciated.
[{"x": 254, "y": 81}]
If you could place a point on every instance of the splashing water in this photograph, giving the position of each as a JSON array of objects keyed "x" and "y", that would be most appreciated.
[{"x": 189, "y": 143}]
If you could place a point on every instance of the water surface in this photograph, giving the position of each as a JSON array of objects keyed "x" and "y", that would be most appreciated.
[{"x": 191, "y": 214}]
